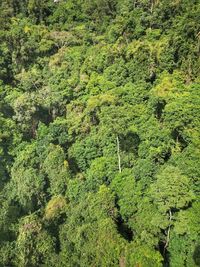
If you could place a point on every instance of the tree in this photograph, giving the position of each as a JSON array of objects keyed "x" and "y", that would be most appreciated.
[{"x": 171, "y": 192}]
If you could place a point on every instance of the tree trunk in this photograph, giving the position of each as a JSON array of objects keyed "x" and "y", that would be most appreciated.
[
  {"x": 118, "y": 154},
  {"x": 168, "y": 231}
]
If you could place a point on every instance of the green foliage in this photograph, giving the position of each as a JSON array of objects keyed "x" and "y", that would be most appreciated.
[
  {"x": 91, "y": 222},
  {"x": 185, "y": 240},
  {"x": 34, "y": 245},
  {"x": 100, "y": 172},
  {"x": 124, "y": 186},
  {"x": 28, "y": 184},
  {"x": 55, "y": 207},
  {"x": 99, "y": 133},
  {"x": 171, "y": 190},
  {"x": 56, "y": 167}
]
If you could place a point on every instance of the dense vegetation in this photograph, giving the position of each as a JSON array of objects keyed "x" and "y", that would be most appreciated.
[{"x": 100, "y": 133}]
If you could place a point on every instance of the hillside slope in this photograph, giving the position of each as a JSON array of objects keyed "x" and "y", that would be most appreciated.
[{"x": 99, "y": 133}]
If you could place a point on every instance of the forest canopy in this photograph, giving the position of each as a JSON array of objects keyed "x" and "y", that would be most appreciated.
[{"x": 100, "y": 133}]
